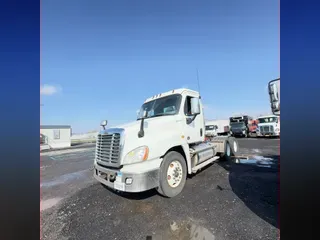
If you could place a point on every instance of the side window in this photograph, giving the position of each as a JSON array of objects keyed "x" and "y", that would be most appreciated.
[{"x": 187, "y": 106}]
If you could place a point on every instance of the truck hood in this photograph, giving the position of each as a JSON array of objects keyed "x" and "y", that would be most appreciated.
[
  {"x": 159, "y": 131},
  {"x": 129, "y": 125}
]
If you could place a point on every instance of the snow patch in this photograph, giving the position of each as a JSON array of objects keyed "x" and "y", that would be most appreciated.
[
  {"x": 66, "y": 151},
  {"x": 64, "y": 178},
  {"x": 49, "y": 203},
  {"x": 259, "y": 161}
]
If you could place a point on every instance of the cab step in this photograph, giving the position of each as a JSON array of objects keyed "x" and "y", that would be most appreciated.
[{"x": 205, "y": 163}]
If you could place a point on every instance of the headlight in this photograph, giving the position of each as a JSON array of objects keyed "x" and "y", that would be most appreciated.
[
  {"x": 137, "y": 155},
  {"x": 277, "y": 129}
]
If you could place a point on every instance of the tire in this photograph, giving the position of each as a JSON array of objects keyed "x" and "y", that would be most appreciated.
[
  {"x": 246, "y": 133},
  {"x": 173, "y": 161},
  {"x": 231, "y": 148}
]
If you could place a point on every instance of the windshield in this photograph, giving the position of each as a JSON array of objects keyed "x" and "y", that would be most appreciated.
[
  {"x": 211, "y": 127},
  {"x": 267, "y": 120},
  {"x": 162, "y": 106},
  {"x": 237, "y": 124}
]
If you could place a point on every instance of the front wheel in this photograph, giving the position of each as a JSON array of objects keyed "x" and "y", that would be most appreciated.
[
  {"x": 172, "y": 175},
  {"x": 245, "y": 134}
]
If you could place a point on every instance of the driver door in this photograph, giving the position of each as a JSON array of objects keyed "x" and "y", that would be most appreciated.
[{"x": 194, "y": 131}]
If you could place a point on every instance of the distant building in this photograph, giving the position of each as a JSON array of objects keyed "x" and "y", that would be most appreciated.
[{"x": 55, "y": 136}]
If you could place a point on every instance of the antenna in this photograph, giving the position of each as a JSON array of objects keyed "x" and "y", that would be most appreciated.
[{"x": 198, "y": 83}]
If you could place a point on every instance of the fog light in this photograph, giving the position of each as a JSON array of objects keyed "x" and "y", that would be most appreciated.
[{"x": 129, "y": 181}]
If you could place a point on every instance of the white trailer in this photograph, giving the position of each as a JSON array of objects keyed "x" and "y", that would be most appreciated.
[
  {"x": 161, "y": 148},
  {"x": 217, "y": 128}
]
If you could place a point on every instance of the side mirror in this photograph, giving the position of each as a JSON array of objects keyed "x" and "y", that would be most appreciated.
[
  {"x": 104, "y": 124},
  {"x": 274, "y": 93},
  {"x": 195, "y": 106},
  {"x": 138, "y": 113}
]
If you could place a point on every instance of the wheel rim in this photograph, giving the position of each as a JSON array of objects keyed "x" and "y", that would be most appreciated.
[
  {"x": 174, "y": 174},
  {"x": 235, "y": 147},
  {"x": 228, "y": 150}
]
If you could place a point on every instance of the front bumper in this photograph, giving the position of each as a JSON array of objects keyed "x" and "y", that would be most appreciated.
[
  {"x": 268, "y": 134},
  {"x": 126, "y": 181},
  {"x": 238, "y": 133}
]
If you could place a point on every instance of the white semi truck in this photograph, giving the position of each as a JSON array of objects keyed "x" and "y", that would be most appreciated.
[
  {"x": 268, "y": 126},
  {"x": 160, "y": 149}
]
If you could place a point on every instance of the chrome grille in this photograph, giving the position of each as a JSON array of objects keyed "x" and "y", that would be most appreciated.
[
  {"x": 108, "y": 149},
  {"x": 266, "y": 129}
]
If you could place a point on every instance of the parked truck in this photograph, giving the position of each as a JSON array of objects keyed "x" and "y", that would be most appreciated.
[
  {"x": 239, "y": 125},
  {"x": 217, "y": 128},
  {"x": 253, "y": 125},
  {"x": 268, "y": 126},
  {"x": 161, "y": 148}
]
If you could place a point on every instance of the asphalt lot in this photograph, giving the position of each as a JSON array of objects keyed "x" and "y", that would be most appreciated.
[{"x": 224, "y": 201}]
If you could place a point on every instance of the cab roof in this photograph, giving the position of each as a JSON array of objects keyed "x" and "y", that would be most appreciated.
[
  {"x": 267, "y": 116},
  {"x": 172, "y": 92}
]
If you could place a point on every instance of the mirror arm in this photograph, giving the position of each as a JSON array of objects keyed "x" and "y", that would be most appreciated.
[{"x": 141, "y": 131}]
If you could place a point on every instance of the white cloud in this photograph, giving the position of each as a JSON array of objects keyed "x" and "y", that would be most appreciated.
[{"x": 48, "y": 90}]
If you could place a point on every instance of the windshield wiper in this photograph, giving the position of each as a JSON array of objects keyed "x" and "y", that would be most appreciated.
[{"x": 157, "y": 115}]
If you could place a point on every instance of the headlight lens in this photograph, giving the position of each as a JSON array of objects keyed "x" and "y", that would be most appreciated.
[
  {"x": 137, "y": 155},
  {"x": 277, "y": 129}
]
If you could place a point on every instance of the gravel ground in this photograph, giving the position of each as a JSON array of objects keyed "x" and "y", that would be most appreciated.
[{"x": 223, "y": 201}]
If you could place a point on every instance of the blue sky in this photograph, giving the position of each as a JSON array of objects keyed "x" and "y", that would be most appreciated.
[{"x": 101, "y": 59}]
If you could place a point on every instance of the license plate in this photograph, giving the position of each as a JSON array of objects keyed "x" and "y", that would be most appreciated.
[
  {"x": 119, "y": 186},
  {"x": 119, "y": 177}
]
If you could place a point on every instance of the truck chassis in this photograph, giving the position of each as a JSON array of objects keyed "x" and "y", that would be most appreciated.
[{"x": 169, "y": 174}]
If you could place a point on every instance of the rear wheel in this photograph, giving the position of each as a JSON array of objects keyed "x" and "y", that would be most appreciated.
[
  {"x": 172, "y": 175},
  {"x": 231, "y": 148}
]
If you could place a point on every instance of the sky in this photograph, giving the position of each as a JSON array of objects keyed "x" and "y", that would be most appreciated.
[{"x": 101, "y": 59}]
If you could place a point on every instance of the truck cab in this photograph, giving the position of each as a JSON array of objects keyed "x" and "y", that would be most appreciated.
[
  {"x": 240, "y": 125},
  {"x": 217, "y": 128},
  {"x": 268, "y": 126},
  {"x": 253, "y": 125},
  {"x": 211, "y": 130},
  {"x": 161, "y": 148}
]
